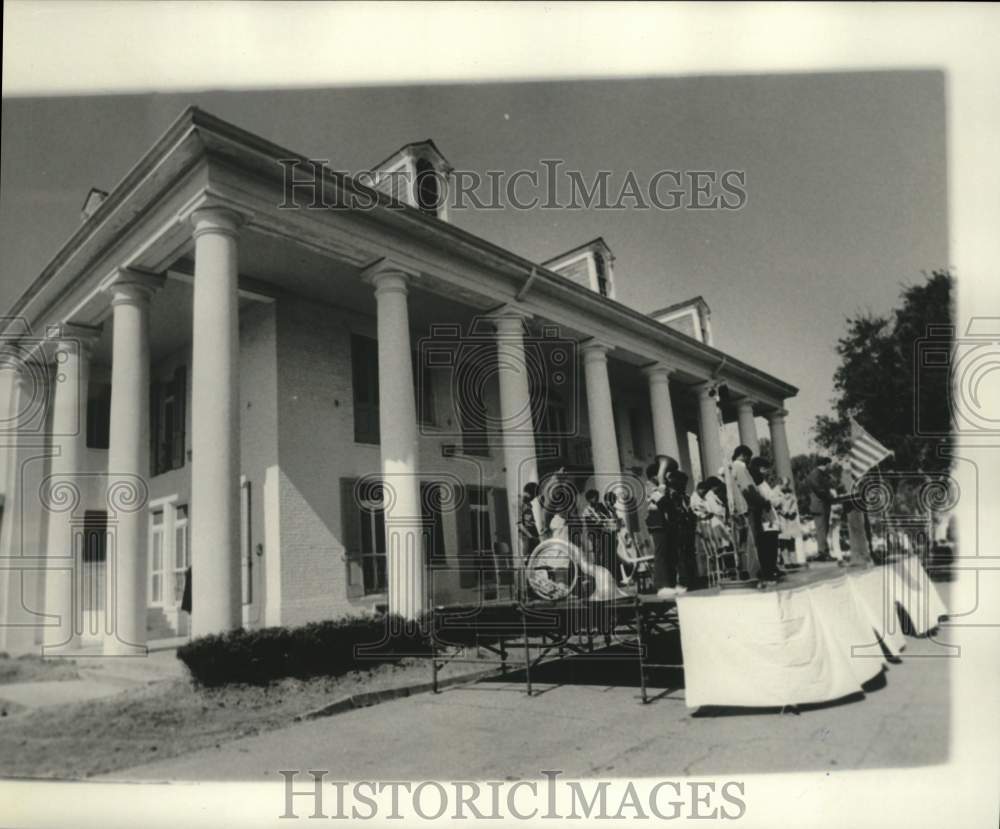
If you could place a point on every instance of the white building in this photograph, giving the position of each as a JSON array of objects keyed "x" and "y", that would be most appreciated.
[{"x": 204, "y": 373}]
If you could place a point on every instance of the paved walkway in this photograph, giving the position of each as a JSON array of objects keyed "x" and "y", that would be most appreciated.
[
  {"x": 100, "y": 676},
  {"x": 492, "y": 731}
]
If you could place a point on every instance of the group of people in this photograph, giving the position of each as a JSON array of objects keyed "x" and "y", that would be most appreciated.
[
  {"x": 764, "y": 514},
  {"x": 678, "y": 525}
]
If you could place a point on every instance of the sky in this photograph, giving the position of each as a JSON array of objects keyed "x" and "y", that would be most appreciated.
[{"x": 845, "y": 181}]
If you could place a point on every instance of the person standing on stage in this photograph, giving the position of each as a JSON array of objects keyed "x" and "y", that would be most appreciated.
[
  {"x": 743, "y": 490},
  {"x": 821, "y": 498},
  {"x": 664, "y": 558},
  {"x": 681, "y": 525},
  {"x": 765, "y": 520},
  {"x": 602, "y": 530}
]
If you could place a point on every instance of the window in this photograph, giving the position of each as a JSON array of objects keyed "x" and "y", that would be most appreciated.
[
  {"x": 363, "y": 530},
  {"x": 98, "y": 415},
  {"x": 428, "y": 191},
  {"x": 364, "y": 379},
  {"x": 362, "y": 522},
  {"x": 156, "y": 557},
  {"x": 167, "y": 409},
  {"x": 373, "y": 560},
  {"x": 182, "y": 552},
  {"x": 169, "y": 554}
]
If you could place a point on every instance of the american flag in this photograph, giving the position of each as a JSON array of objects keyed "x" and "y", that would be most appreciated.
[{"x": 866, "y": 452}]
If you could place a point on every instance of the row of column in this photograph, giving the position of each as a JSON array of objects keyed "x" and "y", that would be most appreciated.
[
  {"x": 215, "y": 435},
  {"x": 398, "y": 418},
  {"x": 215, "y": 448}
]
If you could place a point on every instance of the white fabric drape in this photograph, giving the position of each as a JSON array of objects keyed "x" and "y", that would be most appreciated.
[{"x": 808, "y": 644}]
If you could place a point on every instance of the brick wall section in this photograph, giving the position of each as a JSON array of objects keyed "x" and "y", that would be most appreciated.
[{"x": 316, "y": 449}]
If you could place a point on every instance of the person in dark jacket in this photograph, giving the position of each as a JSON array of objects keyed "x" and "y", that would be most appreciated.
[
  {"x": 821, "y": 497},
  {"x": 681, "y": 525}
]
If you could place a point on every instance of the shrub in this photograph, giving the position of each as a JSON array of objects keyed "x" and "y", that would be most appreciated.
[{"x": 328, "y": 648}]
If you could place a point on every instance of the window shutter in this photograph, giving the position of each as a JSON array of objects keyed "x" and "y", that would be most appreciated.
[
  {"x": 468, "y": 575},
  {"x": 177, "y": 439},
  {"x": 350, "y": 526},
  {"x": 154, "y": 429}
]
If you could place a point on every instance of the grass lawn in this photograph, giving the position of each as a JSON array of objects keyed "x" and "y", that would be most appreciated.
[{"x": 171, "y": 717}]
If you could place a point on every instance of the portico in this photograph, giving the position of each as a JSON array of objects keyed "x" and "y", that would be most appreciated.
[{"x": 263, "y": 362}]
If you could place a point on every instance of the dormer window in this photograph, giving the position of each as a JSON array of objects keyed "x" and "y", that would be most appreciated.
[
  {"x": 691, "y": 317},
  {"x": 590, "y": 265},
  {"x": 416, "y": 175}
]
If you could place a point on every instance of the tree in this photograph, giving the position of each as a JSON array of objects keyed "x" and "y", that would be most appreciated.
[
  {"x": 802, "y": 465},
  {"x": 883, "y": 383},
  {"x": 764, "y": 449}
]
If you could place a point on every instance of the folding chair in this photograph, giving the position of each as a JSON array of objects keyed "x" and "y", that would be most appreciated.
[
  {"x": 721, "y": 560},
  {"x": 634, "y": 566}
]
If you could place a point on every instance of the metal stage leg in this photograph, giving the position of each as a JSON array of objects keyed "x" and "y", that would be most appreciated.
[
  {"x": 527, "y": 652},
  {"x": 434, "y": 658},
  {"x": 642, "y": 656}
]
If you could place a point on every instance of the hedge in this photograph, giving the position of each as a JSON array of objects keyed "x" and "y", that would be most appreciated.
[{"x": 328, "y": 648}]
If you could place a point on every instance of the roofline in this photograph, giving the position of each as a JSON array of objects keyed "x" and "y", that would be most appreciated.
[
  {"x": 193, "y": 117},
  {"x": 188, "y": 119}
]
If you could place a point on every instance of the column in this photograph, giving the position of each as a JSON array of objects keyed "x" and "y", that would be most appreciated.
[
  {"x": 62, "y": 494},
  {"x": 664, "y": 428},
  {"x": 746, "y": 424},
  {"x": 779, "y": 444},
  {"x": 709, "y": 440},
  {"x": 216, "y": 600},
  {"x": 516, "y": 421},
  {"x": 18, "y": 624},
  {"x": 128, "y": 462},
  {"x": 684, "y": 450},
  {"x": 603, "y": 442},
  {"x": 398, "y": 430}
]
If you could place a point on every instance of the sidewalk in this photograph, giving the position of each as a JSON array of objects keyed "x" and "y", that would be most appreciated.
[{"x": 100, "y": 677}]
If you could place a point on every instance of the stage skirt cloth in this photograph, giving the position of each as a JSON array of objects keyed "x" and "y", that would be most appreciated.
[{"x": 806, "y": 644}]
